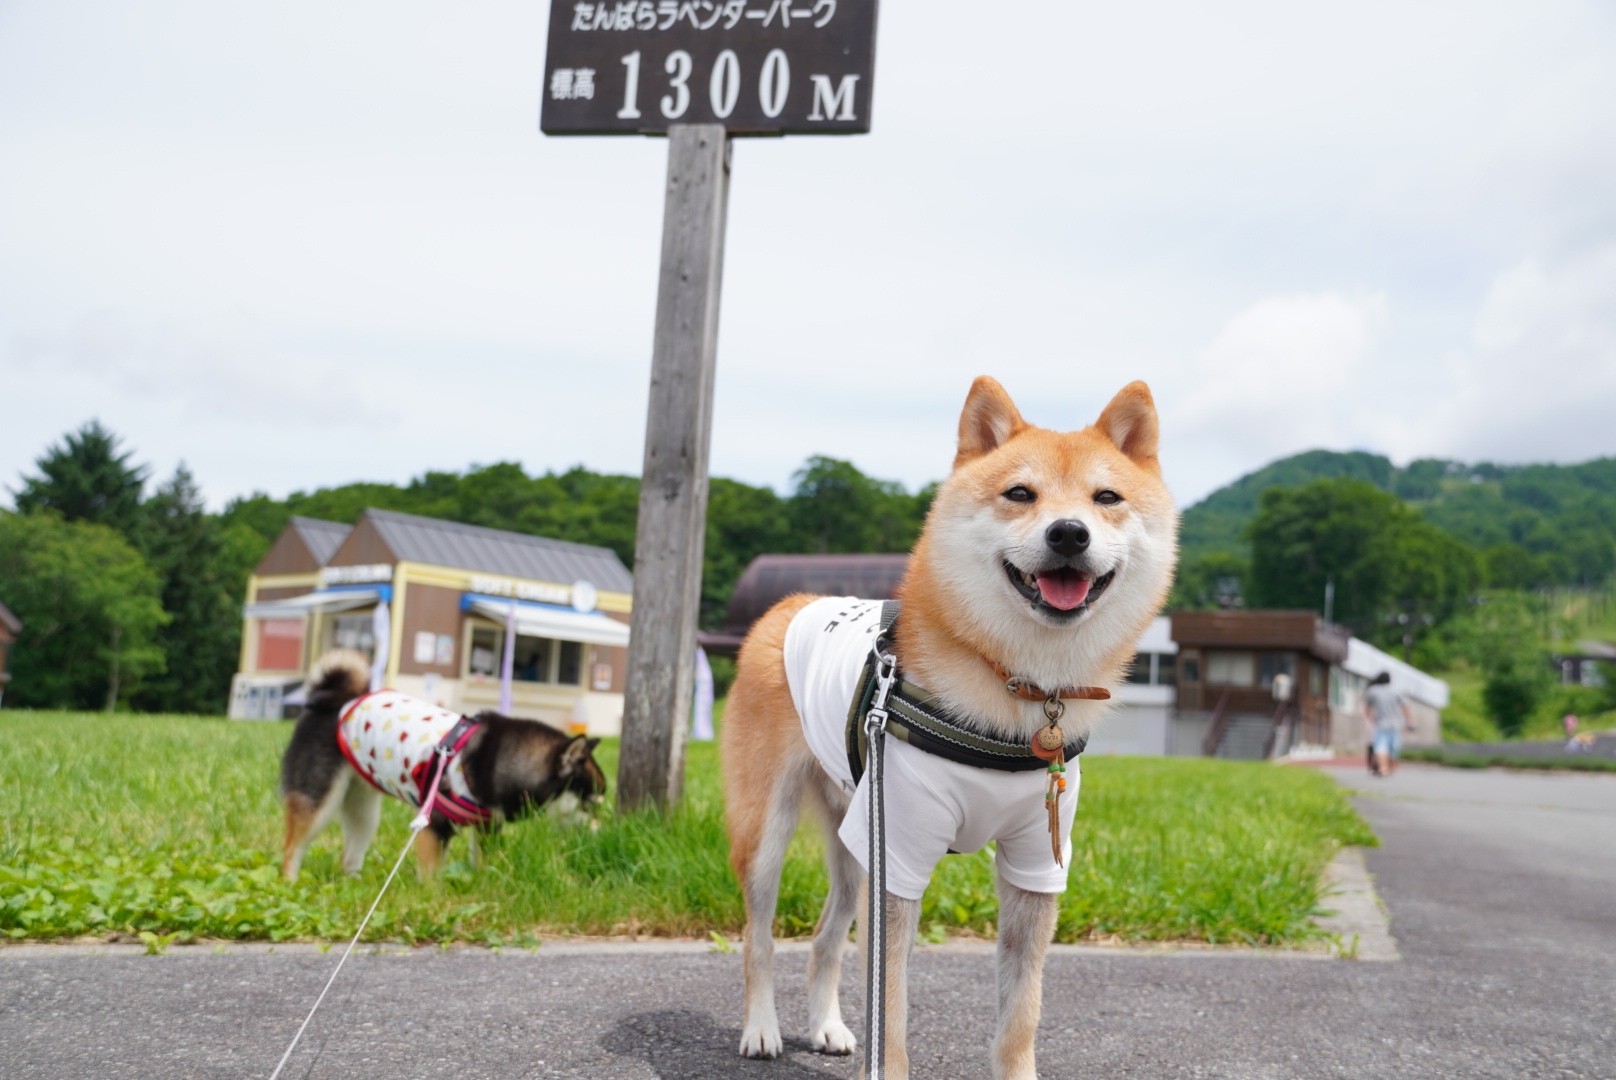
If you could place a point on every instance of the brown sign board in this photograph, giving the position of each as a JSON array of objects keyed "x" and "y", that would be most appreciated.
[{"x": 758, "y": 67}]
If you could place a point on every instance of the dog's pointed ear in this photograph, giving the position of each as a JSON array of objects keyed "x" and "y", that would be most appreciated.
[
  {"x": 1130, "y": 422},
  {"x": 988, "y": 421},
  {"x": 575, "y": 753}
]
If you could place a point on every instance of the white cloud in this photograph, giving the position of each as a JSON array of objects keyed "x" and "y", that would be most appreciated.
[
  {"x": 1285, "y": 372},
  {"x": 1289, "y": 219},
  {"x": 1539, "y": 380}
]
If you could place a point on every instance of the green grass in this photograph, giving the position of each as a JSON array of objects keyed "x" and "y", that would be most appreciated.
[
  {"x": 171, "y": 825},
  {"x": 1460, "y": 759},
  {"x": 1465, "y": 719}
]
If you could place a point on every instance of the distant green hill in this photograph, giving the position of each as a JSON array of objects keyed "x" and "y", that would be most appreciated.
[
  {"x": 1536, "y": 524},
  {"x": 1215, "y": 524}
]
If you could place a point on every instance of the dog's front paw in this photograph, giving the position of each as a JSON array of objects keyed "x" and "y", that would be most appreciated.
[
  {"x": 761, "y": 1042},
  {"x": 833, "y": 1038}
]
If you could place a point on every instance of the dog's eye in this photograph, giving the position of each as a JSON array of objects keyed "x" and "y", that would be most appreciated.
[
  {"x": 1107, "y": 497},
  {"x": 1020, "y": 493}
]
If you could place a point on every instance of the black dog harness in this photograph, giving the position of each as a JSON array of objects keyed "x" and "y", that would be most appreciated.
[{"x": 919, "y": 719}]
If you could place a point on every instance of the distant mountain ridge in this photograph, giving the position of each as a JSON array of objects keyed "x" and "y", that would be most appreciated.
[{"x": 1560, "y": 518}]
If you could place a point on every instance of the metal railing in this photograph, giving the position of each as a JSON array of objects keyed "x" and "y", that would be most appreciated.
[{"x": 1217, "y": 727}]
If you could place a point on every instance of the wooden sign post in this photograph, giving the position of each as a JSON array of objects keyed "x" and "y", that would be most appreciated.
[{"x": 698, "y": 71}]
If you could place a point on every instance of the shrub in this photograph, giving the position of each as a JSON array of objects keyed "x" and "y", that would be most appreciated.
[{"x": 1513, "y": 691}]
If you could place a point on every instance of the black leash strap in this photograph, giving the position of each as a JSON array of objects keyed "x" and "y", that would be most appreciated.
[{"x": 875, "y": 921}]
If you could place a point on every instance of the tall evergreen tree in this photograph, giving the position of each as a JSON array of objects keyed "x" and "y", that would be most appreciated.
[
  {"x": 186, "y": 549},
  {"x": 87, "y": 477}
]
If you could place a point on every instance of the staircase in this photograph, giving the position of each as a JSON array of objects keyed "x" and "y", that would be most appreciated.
[{"x": 1245, "y": 738}]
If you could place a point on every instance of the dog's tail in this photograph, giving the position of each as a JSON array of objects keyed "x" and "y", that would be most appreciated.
[{"x": 336, "y": 679}]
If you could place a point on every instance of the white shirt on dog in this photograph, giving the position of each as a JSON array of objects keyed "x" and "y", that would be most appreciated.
[
  {"x": 932, "y": 804},
  {"x": 390, "y": 739}
]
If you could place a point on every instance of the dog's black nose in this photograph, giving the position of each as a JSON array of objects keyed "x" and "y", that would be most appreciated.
[{"x": 1067, "y": 537}]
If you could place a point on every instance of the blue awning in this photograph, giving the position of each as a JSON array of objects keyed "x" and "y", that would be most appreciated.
[
  {"x": 339, "y": 598},
  {"x": 549, "y": 620}
]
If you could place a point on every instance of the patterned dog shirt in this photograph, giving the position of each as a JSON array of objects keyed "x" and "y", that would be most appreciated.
[{"x": 390, "y": 738}]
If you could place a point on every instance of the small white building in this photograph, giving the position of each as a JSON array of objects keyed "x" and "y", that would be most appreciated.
[
  {"x": 1141, "y": 719},
  {"x": 1426, "y": 696}
]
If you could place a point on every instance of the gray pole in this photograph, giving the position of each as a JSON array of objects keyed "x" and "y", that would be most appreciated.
[{"x": 673, "y": 484}]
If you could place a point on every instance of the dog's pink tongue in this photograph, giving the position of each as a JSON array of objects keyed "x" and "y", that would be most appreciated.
[{"x": 1064, "y": 589}]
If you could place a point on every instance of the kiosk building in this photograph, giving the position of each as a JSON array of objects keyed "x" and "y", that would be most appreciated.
[{"x": 432, "y": 604}]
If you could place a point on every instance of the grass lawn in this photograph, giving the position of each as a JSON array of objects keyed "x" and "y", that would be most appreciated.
[{"x": 171, "y": 825}]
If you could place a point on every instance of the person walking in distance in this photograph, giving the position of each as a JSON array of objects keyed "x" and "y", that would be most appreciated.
[{"x": 1387, "y": 715}]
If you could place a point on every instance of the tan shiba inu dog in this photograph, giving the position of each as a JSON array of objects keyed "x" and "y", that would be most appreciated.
[{"x": 1043, "y": 558}]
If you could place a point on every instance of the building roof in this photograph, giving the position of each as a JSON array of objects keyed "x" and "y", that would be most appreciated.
[
  {"x": 1596, "y": 650},
  {"x": 322, "y": 538},
  {"x": 495, "y": 551},
  {"x": 1158, "y": 637},
  {"x": 770, "y": 578},
  {"x": 1262, "y": 630},
  {"x": 10, "y": 622}
]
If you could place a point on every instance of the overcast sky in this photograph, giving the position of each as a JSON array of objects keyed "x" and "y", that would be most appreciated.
[{"x": 297, "y": 244}]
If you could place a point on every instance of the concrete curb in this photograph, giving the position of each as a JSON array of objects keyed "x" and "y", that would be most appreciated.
[
  {"x": 1358, "y": 918},
  {"x": 629, "y": 948},
  {"x": 1357, "y": 921}
]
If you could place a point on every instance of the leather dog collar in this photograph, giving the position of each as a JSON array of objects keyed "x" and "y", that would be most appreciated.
[{"x": 1027, "y": 690}]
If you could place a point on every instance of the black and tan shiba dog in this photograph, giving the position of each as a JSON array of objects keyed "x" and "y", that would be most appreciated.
[{"x": 501, "y": 769}]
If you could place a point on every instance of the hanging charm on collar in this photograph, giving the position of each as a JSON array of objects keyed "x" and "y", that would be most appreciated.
[{"x": 1049, "y": 743}]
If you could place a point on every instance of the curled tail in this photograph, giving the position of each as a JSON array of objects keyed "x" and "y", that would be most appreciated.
[{"x": 336, "y": 678}]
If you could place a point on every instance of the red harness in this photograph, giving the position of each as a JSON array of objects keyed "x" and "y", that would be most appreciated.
[{"x": 456, "y": 806}]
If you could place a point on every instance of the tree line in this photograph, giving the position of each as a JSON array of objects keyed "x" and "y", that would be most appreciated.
[
  {"x": 131, "y": 592},
  {"x": 1531, "y": 526},
  {"x": 132, "y": 598}
]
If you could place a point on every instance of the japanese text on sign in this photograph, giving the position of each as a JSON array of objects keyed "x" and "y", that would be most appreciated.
[
  {"x": 759, "y": 67},
  {"x": 701, "y": 14}
]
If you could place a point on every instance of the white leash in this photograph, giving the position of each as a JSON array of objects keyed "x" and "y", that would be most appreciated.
[
  {"x": 875, "y": 921},
  {"x": 420, "y": 822}
]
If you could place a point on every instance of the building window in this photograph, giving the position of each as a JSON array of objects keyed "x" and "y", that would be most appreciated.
[
  {"x": 569, "y": 669},
  {"x": 1153, "y": 669},
  {"x": 1346, "y": 690},
  {"x": 534, "y": 660},
  {"x": 355, "y": 632},
  {"x": 484, "y": 653},
  {"x": 1231, "y": 668},
  {"x": 1277, "y": 664},
  {"x": 1315, "y": 679},
  {"x": 280, "y": 645},
  {"x": 1189, "y": 668}
]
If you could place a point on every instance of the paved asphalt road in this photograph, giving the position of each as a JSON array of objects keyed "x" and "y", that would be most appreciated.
[{"x": 1501, "y": 888}]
